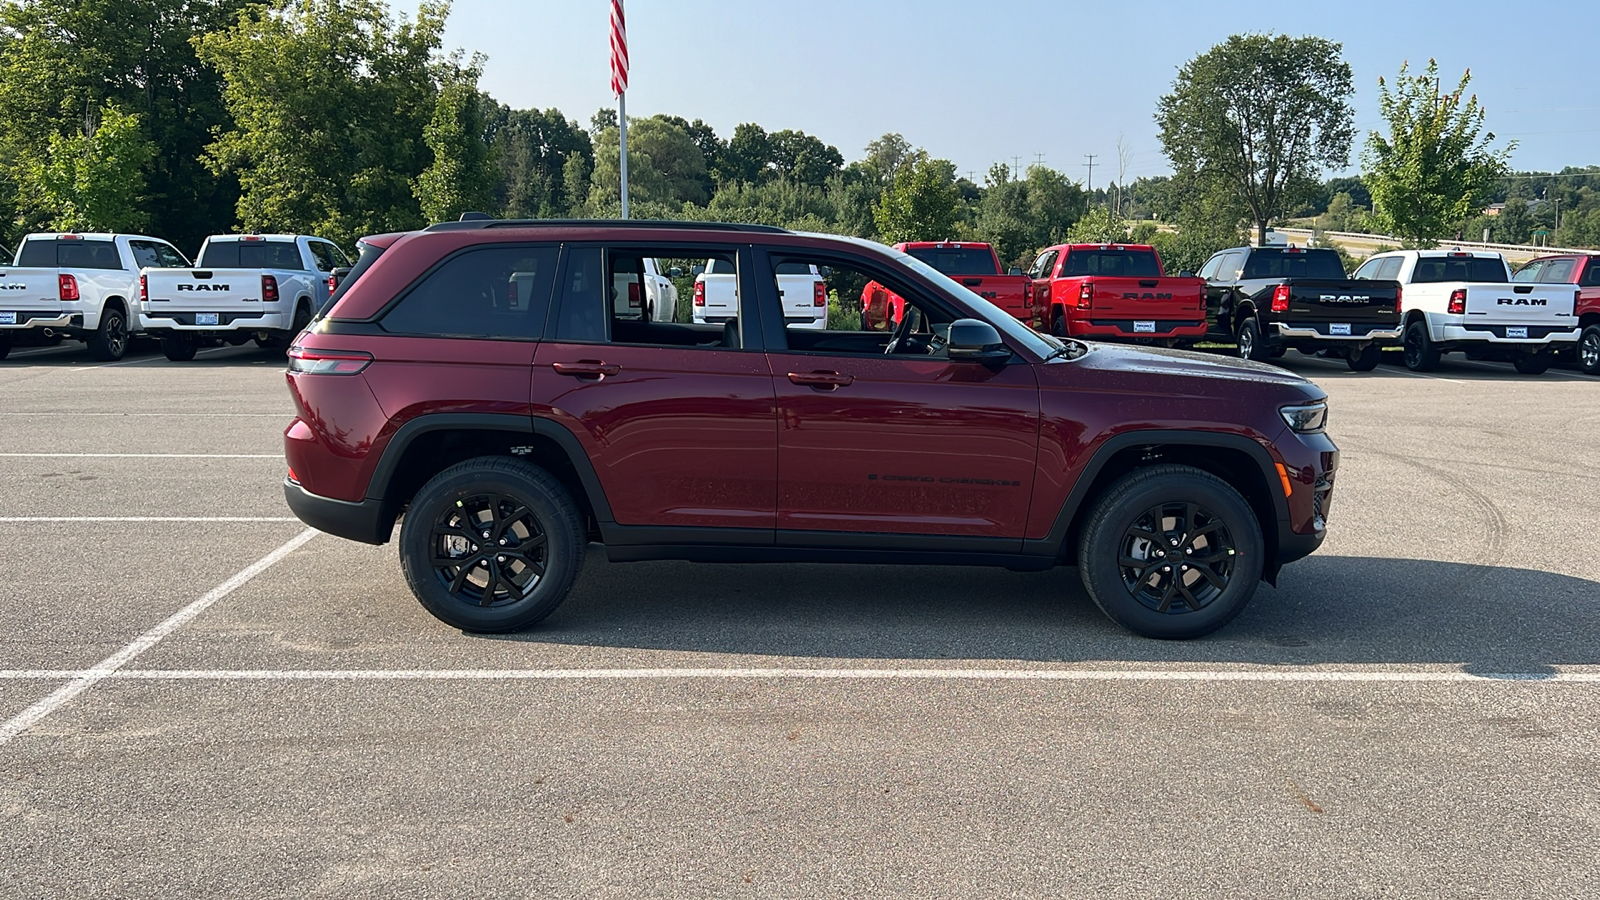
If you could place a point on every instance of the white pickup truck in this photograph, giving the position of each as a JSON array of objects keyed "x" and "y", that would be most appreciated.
[
  {"x": 261, "y": 286},
  {"x": 641, "y": 291},
  {"x": 1465, "y": 300},
  {"x": 800, "y": 286},
  {"x": 81, "y": 286}
]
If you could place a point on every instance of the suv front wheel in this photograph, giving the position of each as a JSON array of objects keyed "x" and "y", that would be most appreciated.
[
  {"x": 1171, "y": 552},
  {"x": 492, "y": 544}
]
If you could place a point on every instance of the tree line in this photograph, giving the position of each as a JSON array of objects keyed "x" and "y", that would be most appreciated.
[{"x": 191, "y": 117}]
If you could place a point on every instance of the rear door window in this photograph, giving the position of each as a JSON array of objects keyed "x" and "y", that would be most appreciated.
[
  {"x": 1558, "y": 271},
  {"x": 322, "y": 255},
  {"x": 1112, "y": 263},
  {"x": 75, "y": 253},
  {"x": 1390, "y": 270},
  {"x": 1528, "y": 273},
  {"x": 145, "y": 255},
  {"x": 957, "y": 261},
  {"x": 485, "y": 292},
  {"x": 1043, "y": 265}
]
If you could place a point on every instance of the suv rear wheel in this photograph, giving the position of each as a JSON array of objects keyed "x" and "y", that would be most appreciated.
[
  {"x": 1171, "y": 552},
  {"x": 492, "y": 544}
]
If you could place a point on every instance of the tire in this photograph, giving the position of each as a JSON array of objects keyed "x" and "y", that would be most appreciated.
[
  {"x": 109, "y": 342},
  {"x": 1532, "y": 363},
  {"x": 1208, "y": 515},
  {"x": 1365, "y": 359},
  {"x": 180, "y": 347},
  {"x": 1277, "y": 352},
  {"x": 1058, "y": 324},
  {"x": 1250, "y": 343},
  {"x": 1422, "y": 354},
  {"x": 529, "y": 507},
  {"x": 1589, "y": 350},
  {"x": 5, "y": 345}
]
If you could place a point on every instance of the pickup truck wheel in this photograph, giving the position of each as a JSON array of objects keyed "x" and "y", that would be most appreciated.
[
  {"x": 1532, "y": 363},
  {"x": 1058, "y": 324},
  {"x": 179, "y": 347},
  {"x": 1589, "y": 350},
  {"x": 110, "y": 341},
  {"x": 1422, "y": 355},
  {"x": 491, "y": 545},
  {"x": 1249, "y": 338},
  {"x": 1365, "y": 359},
  {"x": 5, "y": 345},
  {"x": 1171, "y": 552}
]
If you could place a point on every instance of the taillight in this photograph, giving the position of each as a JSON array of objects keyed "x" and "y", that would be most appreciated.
[
  {"x": 1027, "y": 296},
  {"x": 1280, "y": 298},
  {"x": 819, "y": 294},
  {"x": 1086, "y": 295},
  {"x": 269, "y": 289},
  {"x": 699, "y": 293},
  {"x": 144, "y": 289},
  {"x": 1399, "y": 305},
  {"x": 327, "y": 362},
  {"x": 1458, "y": 302},
  {"x": 635, "y": 295},
  {"x": 333, "y": 284},
  {"x": 68, "y": 288}
]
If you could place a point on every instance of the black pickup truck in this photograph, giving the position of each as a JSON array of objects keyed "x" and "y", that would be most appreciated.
[{"x": 1268, "y": 299}]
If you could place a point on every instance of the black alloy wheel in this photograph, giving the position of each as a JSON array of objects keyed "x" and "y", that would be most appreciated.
[
  {"x": 1422, "y": 354},
  {"x": 1177, "y": 557},
  {"x": 1171, "y": 552},
  {"x": 1589, "y": 350},
  {"x": 492, "y": 544},
  {"x": 489, "y": 549},
  {"x": 110, "y": 341}
]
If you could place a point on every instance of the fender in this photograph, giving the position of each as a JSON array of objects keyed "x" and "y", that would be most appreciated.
[
  {"x": 1054, "y": 543},
  {"x": 564, "y": 438}
]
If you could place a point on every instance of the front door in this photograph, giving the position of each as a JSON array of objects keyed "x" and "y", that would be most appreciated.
[
  {"x": 903, "y": 442},
  {"x": 678, "y": 419}
]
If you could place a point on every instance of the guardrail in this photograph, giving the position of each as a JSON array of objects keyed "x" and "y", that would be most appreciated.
[{"x": 1464, "y": 245}]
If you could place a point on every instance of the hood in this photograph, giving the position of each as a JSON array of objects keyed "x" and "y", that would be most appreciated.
[{"x": 1157, "y": 368}]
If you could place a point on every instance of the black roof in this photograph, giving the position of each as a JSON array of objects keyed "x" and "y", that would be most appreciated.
[{"x": 475, "y": 221}]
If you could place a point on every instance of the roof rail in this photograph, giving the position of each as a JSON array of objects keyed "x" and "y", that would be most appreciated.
[{"x": 471, "y": 222}]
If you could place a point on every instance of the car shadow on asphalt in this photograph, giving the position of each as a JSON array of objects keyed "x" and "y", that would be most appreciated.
[
  {"x": 1326, "y": 610},
  {"x": 146, "y": 354}
]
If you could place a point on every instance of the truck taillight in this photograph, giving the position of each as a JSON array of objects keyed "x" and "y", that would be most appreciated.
[
  {"x": 68, "y": 287},
  {"x": 1027, "y": 296},
  {"x": 269, "y": 289},
  {"x": 819, "y": 294},
  {"x": 144, "y": 288},
  {"x": 1086, "y": 295},
  {"x": 1458, "y": 302},
  {"x": 699, "y": 293},
  {"x": 1280, "y": 298},
  {"x": 333, "y": 284},
  {"x": 1399, "y": 302}
]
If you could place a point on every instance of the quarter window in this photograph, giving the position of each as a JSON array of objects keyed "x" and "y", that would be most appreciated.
[
  {"x": 488, "y": 292},
  {"x": 1558, "y": 271}
]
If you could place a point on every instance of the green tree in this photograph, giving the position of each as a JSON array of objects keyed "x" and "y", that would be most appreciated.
[
  {"x": 1435, "y": 167},
  {"x": 801, "y": 157},
  {"x": 330, "y": 100},
  {"x": 1263, "y": 116},
  {"x": 63, "y": 61},
  {"x": 748, "y": 155},
  {"x": 1100, "y": 225},
  {"x": 93, "y": 181},
  {"x": 533, "y": 149},
  {"x": 461, "y": 176},
  {"x": 664, "y": 166},
  {"x": 923, "y": 203}
]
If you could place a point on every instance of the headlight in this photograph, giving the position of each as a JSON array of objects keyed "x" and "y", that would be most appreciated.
[{"x": 1306, "y": 418}]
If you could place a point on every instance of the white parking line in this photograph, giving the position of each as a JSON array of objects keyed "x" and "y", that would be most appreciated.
[
  {"x": 4, "y": 519},
  {"x": 135, "y": 362},
  {"x": 913, "y": 674},
  {"x": 1429, "y": 377},
  {"x": 109, "y": 666},
  {"x": 142, "y": 455}
]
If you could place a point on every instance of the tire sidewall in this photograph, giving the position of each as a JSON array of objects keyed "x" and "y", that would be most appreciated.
[
  {"x": 1249, "y": 339},
  {"x": 1590, "y": 337},
  {"x": 550, "y": 504},
  {"x": 1122, "y": 506},
  {"x": 1424, "y": 359}
]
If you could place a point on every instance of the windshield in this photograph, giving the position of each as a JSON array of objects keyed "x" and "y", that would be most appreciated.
[{"x": 953, "y": 261}]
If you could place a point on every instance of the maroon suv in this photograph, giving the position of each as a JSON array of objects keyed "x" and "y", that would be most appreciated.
[{"x": 481, "y": 382}]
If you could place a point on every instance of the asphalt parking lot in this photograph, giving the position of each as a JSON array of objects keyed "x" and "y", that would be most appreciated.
[{"x": 201, "y": 698}]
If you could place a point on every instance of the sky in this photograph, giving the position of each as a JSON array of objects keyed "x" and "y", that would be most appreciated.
[{"x": 1017, "y": 80}]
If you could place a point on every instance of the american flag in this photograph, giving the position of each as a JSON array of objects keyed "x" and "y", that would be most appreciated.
[{"x": 619, "y": 49}]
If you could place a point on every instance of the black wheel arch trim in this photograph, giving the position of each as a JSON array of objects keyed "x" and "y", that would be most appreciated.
[
  {"x": 395, "y": 449},
  {"x": 1054, "y": 543}
]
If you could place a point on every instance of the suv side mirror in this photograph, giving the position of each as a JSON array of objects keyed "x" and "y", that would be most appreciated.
[
  {"x": 974, "y": 339},
  {"x": 698, "y": 271},
  {"x": 1186, "y": 274},
  {"x": 1014, "y": 271},
  {"x": 675, "y": 272}
]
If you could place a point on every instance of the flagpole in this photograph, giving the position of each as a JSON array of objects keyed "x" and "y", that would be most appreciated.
[{"x": 622, "y": 135}]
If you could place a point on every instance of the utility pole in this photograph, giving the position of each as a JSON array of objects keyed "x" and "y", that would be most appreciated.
[
  {"x": 1038, "y": 159},
  {"x": 1090, "y": 166},
  {"x": 1016, "y": 167}
]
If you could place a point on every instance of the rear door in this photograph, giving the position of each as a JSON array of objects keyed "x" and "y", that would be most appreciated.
[{"x": 677, "y": 419}]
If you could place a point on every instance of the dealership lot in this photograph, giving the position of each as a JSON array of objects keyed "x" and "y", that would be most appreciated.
[{"x": 1411, "y": 711}]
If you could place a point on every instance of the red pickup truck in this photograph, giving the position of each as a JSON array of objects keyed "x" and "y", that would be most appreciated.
[
  {"x": 1583, "y": 270},
  {"x": 1116, "y": 291},
  {"x": 971, "y": 264}
]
